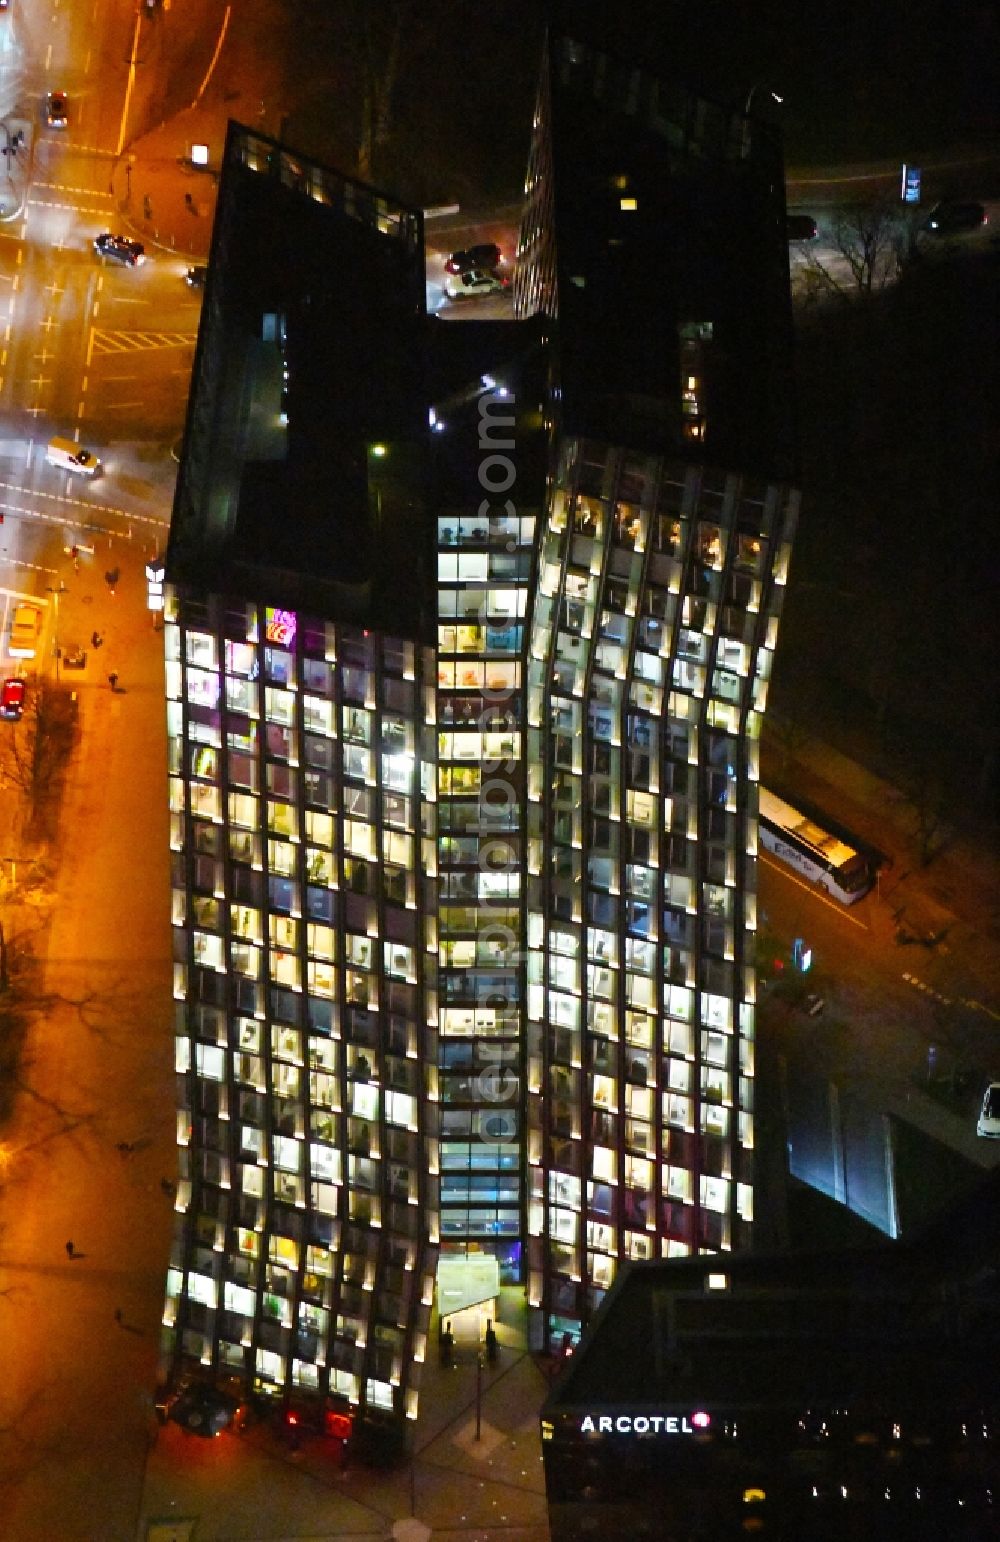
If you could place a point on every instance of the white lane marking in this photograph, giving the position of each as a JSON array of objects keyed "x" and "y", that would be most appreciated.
[
  {"x": 66, "y": 187},
  {"x": 106, "y": 378},
  {"x": 73, "y": 208},
  {"x": 822, "y": 899},
  {"x": 34, "y": 567},
  {"x": 120, "y": 406},
  {"x": 82, "y": 503},
  {"x": 77, "y": 518}
]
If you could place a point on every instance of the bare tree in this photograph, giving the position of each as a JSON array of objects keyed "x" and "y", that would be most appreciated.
[
  {"x": 870, "y": 247},
  {"x": 38, "y": 747}
]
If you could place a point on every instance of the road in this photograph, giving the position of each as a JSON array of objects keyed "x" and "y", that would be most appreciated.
[
  {"x": 886, "y": 1003},
  {"x": 92, "y": 351}
]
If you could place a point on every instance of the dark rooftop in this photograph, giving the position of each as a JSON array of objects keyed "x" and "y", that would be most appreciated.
[{"x": 305, "y": 446}]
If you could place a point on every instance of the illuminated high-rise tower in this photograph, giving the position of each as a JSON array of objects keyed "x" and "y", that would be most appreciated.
[
  {"x": 653, "y": 240},
  {"x": 301, "y": 712},
  {"x": 469, "y": 630}
]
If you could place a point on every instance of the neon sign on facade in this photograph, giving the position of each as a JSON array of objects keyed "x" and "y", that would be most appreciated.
[{"x": 644, "y": 1424}]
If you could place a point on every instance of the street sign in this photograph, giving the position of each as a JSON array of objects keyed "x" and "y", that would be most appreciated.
[
  {"x": 155, "y": 575},
  {"x": 910, "y": 190}
]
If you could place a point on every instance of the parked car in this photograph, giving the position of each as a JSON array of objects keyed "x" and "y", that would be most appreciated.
[
  {"x": 25, "y": 627},
  {"x": 12, "y": 694},
  {"x": 801, "y": 227},
  {"x": 486, "y": 257},
  {"x": 988, "y": 1123},
  {"x": 121, "y": 248},
  {"x": 466, "y": 286},
  {"x": 55, "y": 109},
  {"x": 195, "y": 277},
  {"x": 951, "y": 217}
]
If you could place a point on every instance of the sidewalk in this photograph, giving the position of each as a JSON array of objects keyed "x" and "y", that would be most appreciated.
[
  {"x": 75, "y": 1409},
  {"x": 162, "y": 198},
  {"x": 253, "y": 1488}
]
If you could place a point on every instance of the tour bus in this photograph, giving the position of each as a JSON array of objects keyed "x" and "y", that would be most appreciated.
[
  {"x": 816, "y": 853},
  {"x": 72, "y": 457}
]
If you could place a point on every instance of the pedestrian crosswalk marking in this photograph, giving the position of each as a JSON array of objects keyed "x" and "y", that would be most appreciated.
[{"x": 140, "y": 342}]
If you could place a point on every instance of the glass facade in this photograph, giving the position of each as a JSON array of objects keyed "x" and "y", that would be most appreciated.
[
  {"x": 485, "y": 557},
  {"x": 464, "y": 926},
  {"x": 303, "y": 831},
  {"x": 652, "y": 637},
  {"x": 489, "y": 460}
]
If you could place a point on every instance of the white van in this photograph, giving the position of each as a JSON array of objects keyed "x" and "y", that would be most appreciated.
[{"x": 69, "y": 456}]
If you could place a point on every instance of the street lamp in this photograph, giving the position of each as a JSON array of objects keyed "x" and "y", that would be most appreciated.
[
  {"x": 55, "y": 629},
  {"x": 757, "y": 85}
]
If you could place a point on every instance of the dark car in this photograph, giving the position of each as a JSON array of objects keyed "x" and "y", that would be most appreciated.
[
  {"x": 55, "y": 109},
  {"x": 801, "y": 227},
  {"x": 195, "y": 277},
  {"x": 950, "y": 218},
  {"x": 120, "y": 248},
  {"x": 487, "y": 258},
  {"x": 12, "y": 698},
  {"x": 199, "y": 1409}
]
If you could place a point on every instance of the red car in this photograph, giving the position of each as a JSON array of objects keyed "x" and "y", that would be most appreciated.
[{"x": 12, "y": 698}]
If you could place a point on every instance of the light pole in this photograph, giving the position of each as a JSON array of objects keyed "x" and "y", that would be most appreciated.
[
  {"x": 757, "y": 85},
  {"x": 55, "y": 628}
]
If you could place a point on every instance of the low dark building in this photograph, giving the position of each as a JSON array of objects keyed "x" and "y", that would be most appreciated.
[{"x": 834, "y": 1395}]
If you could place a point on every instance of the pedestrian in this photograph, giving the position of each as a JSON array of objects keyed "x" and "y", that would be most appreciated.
[
  {"x": 125, "y": 1147},
  {"x": 492, "y": 1344},
  {"x": 170, "y": 1189},
  {"x": 113, "y": 679},
  {"x": 147, "y": 207},
  {"x": 189, "y": 201},
  {"x": 118, "y": 1314},
  {"x": 70, "y": 1250},
  {"x": 96, "y": 639}
]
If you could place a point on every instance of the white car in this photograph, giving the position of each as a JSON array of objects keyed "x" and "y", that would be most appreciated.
[
  {"x": 465, "y": 286},
  {"x": 988, "y": 1123}
]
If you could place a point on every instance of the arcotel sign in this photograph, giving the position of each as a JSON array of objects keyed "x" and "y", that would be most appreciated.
[{"x": 644, "y": 1424}]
